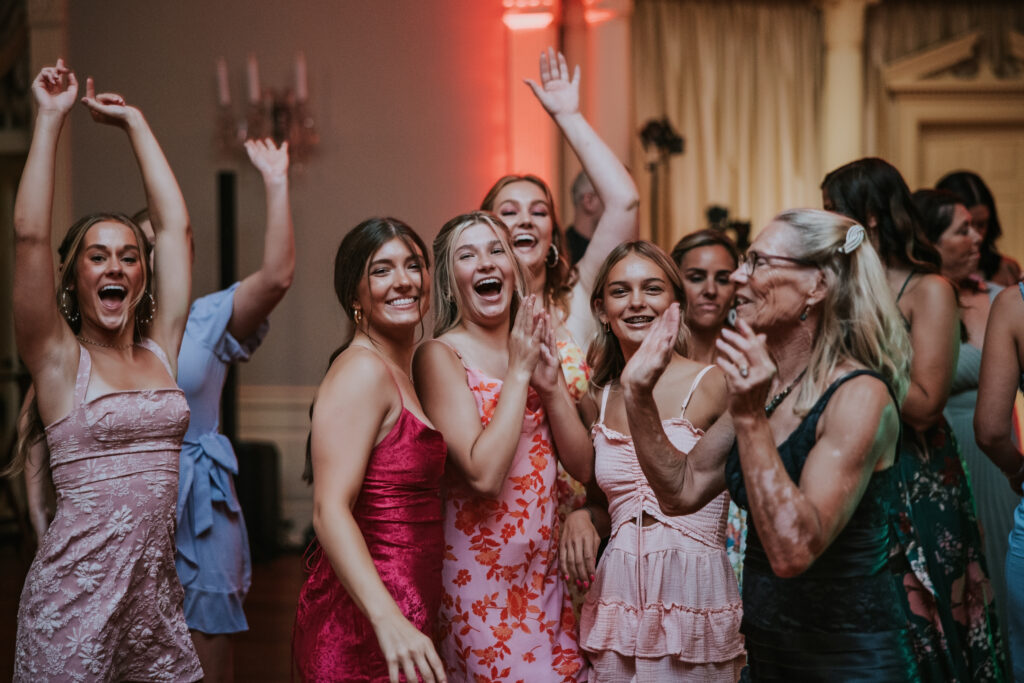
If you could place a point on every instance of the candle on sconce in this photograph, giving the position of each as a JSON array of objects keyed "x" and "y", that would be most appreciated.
[
  {"x": 223, "y": 92},
  {"x": 301, "y": 84},
  {"x": 254, "y": 79}
]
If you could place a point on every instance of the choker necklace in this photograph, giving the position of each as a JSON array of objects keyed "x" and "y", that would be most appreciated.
[
  {"x": 778, "y": 398},
  {"x": 118, "y": 347}
]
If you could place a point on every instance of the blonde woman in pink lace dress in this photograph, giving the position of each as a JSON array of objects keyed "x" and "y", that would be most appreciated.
[
  {"x": 664, "y": 603},
  {"x": 102, "y": 601}
]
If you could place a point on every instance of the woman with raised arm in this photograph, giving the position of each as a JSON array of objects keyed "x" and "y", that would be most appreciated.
[
  {"x": 664, "y": 604},
  {"x": 367, "y": 610},
  {"x": 947, "y": 223},
  {"x": 102, "y": 600},
  {"x": 815, "y": 371},
  {"x": 225, "y": 327},
  {"x": 938, "y": 530},
  {"x": 526, "y": 205},
  {"x": 494, "y": 389},
  {"x": 1002, "y": 375}
]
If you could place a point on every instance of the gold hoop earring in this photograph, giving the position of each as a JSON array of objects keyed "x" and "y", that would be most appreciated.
[
  {"x": 68, "y": 306},
  {"x": 357, "y": 315},
  {"x": 552, "y": 260}
]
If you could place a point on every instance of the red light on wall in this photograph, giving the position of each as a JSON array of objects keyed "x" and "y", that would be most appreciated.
[{"x": 528, "y": 21}]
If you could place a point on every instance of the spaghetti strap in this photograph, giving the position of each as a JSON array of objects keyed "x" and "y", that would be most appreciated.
[
  {"x": 905, "y": 283},
  {"x": 693, "y": 388},
  {"x": 82, "y": 378},
  {"x": 454, "y": 350},
  {"x": 157, "y": 351},
  {"x": 604, "y": 402},
  {"x": 1020, "y": 286}
]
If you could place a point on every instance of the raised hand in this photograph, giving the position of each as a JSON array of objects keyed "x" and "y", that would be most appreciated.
[
  {"x": 649, "y": 362},
  {"x": 558, "y": 93},
  {"x": 55, "y": 89},
  {"x": 269, "y": 159},
  {"x": 748, "y": 369},
  {"x": 524, "y": 339},
  {"x": 107, "y": 108}
]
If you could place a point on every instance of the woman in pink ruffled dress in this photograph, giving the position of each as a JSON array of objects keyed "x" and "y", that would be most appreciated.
[{"x": 664, "y": 604}]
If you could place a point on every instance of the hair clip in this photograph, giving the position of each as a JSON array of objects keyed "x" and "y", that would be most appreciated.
[{"x": 854, "y": 236}]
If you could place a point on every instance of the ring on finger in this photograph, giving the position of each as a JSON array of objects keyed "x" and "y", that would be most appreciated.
[{"x": 744, "y": 371}]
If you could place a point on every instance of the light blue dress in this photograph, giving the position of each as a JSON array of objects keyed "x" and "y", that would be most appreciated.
[
  {"x": 1015, "y": 575},
  {"x": 212, "y": 545}
]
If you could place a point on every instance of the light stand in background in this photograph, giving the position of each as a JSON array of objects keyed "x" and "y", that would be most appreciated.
[{"x": 660, "y": 141}]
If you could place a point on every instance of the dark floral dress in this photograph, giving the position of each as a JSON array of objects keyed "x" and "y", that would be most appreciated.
[{"x": 944, "y": 572}]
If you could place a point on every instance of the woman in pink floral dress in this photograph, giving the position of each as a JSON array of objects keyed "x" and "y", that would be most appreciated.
[{"x": 501, "y": 401}]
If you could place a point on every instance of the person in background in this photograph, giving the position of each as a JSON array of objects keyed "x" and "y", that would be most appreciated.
[
  {"x": 368, "y": 609},
  {"x": 1002, "y": 375},
  {"x": 934, "y": 516},
  {"x": 948, "y": 225},
  {"x": 587, "y": 210},
  {"x": 975, "y": 195},
  {"x": 102, "y": 600},
  {"x": 706, "y": 259}
]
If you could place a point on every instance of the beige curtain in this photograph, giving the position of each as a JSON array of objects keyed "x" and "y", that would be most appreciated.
[{"x": 740, "y": 80}]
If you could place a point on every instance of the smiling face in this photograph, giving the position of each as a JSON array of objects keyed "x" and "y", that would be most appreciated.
[
  {"x": 959, "y": 246},
  {"x": 109, "y": 276},
  {"x": 484, "y": 275},
  {"x": 524, "y": 207},
  {"x": 395, "y": 292},
  {"x": 776, "y": 292},
  {"x": 636, "y": 293},
  {"x": 705, "y": 272}
]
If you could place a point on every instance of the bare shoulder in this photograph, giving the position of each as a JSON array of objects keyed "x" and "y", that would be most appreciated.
[
  {"x": 857, "y": 401},
  {"x": 434, "y": 357},
  {"x": 930, "y": 290},
  {"x": 358, "y": 372}
]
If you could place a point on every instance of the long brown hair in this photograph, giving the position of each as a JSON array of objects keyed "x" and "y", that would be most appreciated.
[
  {"x": 350, "y": 268},
  {"x": 605, "y": 356},
  {"x": 559, "y": 273}
]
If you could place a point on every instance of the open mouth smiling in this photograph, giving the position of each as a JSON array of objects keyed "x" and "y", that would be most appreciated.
[
  {"x": 112, "y": 295},
  {"x": 488, "y": 288}
]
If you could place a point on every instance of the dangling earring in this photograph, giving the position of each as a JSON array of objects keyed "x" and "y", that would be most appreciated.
[
  {"x": 68, "y": 306},
  {"x": 151, "y": 306},
  {"x": 552, "y": 260},
  {"x": 803, "y": 315},
  {"x": 607, "y": 328},
  {"x": 357, "y": 315}
]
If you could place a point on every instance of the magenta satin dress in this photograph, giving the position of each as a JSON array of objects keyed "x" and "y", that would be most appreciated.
[{"x": 399, "y": 514}]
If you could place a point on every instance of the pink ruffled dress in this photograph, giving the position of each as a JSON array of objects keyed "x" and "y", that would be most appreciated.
[{"x": 664, "y": 604}]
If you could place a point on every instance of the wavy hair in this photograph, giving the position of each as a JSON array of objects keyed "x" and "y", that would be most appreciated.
[
  {"x": 559, "y": 276},
  {"x": 859, "y": 318},
  {"x": 604, "y": 356},
  {"x": 872, "y": 190},
  {"x": 447, "y": 299}
]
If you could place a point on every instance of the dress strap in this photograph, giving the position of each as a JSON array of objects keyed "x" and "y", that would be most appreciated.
[
  {"x": 604, "y": 402},
  {"x": 157, "y": 351},
  {"x": 693, "y": 388},
  {"x": 84, "y": 372},
  {"x": 905, "y": 283},
  {"x": 454, "y": 350},
  {"x": 1020, "y": 286}
]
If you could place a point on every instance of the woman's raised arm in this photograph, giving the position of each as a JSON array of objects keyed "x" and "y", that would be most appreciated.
[{"x": 168, "y": 214}]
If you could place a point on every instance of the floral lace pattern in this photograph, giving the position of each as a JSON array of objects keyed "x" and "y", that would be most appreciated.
[
  {"x": 504, "y": 614},
  {"x": 102, "y": 600}
]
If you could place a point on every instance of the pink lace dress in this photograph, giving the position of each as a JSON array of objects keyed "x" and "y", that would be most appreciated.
[
  {"x": 664, "y": 604},
  {"x": 102, "y": 601},
  {"x": 505, "y": 615}
]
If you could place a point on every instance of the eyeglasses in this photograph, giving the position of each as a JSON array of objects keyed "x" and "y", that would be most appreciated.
[{"x": 753, "y": 260}]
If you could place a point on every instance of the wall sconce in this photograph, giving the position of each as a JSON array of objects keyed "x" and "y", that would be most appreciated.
[
  {"x": 525, "y": 15},
  {"x": 281, "y": 114}
]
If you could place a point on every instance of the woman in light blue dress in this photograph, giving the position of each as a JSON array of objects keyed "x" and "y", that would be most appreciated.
[{"x": 224, "y": 327}]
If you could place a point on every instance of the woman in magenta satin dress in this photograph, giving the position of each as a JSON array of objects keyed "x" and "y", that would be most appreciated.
[{"x": 367, "y": 610}]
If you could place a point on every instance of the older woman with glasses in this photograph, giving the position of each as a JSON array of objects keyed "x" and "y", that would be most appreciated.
[{"x": 815, "y": 369}]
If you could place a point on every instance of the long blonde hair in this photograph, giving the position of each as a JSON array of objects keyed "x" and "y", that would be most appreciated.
[
  {"x": 604, "y": 356},
  {"x": 446, "y": 299},
  {"x": 859, "y": 319}
]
